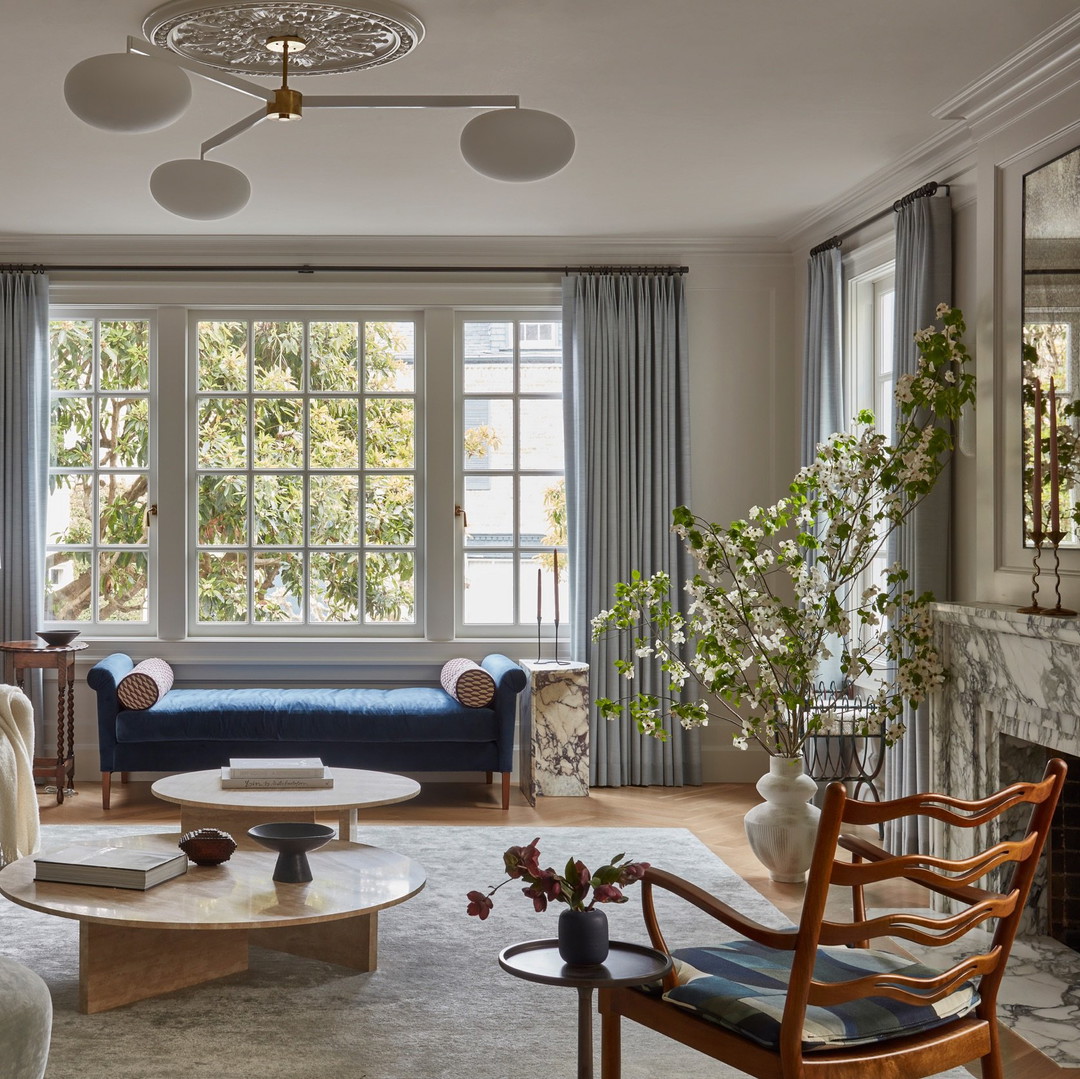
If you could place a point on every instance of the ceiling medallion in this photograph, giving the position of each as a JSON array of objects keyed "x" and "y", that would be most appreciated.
[{"x": 338, "y": 36}]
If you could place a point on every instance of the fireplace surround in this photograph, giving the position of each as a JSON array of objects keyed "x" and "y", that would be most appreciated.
[{"x": 1012, "y": 700}]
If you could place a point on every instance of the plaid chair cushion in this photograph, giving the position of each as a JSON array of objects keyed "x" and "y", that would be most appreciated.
[{"x": 741, "y": 987}]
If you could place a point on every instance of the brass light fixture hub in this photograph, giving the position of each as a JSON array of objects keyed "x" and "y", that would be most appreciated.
[
  {"x": 282, "y": 42},
  {"x": 287, "y": 105}
]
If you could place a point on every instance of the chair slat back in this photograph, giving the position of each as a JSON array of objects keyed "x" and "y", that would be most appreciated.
[{"x": 974, "y": 900}]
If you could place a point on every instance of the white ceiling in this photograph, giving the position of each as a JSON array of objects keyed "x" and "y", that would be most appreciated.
[{"x": 695, "y": 119}]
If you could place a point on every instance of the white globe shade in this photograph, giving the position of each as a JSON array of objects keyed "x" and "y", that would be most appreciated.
[
  {"x": 517, "y": 144},
  {"x": 123, "y": 91},
  {"x": 201, "y": 190}
]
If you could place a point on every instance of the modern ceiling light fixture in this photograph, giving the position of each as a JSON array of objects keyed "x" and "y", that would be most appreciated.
[{"x": 146, "y": 88}]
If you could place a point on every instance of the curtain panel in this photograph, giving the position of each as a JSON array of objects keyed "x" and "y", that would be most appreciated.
[
  {"x": 923, "y": 544},
  {"x": 626, "y": 393},
  {"x": 24, "y": 452},
  {"x": 824, "y": 412}
]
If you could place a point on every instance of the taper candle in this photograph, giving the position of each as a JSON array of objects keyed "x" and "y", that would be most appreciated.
[
  {"x": 1055, "y": 521},
  {"x": 1036, "y": 468},
  {"x": 555, "y": 566},
  {"x": 539, "y": 592}
]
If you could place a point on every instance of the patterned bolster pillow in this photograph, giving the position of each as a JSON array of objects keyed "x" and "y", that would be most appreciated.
[
  {"x": 468, "y": 683},
  {"x": 145, "y": 684}
]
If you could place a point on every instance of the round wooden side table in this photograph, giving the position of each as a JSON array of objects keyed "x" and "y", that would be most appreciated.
[
  {"x": 626, "y": 964},
  {"x": 20, "y": 656}
]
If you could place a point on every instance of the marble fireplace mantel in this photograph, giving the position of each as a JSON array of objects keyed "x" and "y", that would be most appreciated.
[
  {"x": 1011, "y": 676},
  {"x": 1014, "y": 685}
]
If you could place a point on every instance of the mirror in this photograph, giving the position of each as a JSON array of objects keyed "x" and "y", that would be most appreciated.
[{"x": 1050, "y": 351}]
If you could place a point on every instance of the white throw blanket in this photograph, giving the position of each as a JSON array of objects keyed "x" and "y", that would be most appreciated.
[{"x": 18, "y": 798}]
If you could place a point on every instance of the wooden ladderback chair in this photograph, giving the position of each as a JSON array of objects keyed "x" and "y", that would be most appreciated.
[{"x": 822, "y": 1001}]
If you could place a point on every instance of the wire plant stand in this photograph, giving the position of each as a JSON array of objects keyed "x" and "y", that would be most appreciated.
[{"x": 844, "y": 754}]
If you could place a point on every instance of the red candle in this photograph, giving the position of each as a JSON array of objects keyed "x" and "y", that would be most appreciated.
[
  {"x": 555, "y": 570},
  {"x": 1055, "y": 522},
  {"x": 539, "y": 591},
  {"x": 1037, "y": 471}
]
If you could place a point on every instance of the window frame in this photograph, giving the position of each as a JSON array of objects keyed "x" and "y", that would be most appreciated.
[
  {"x": 358, "y": 630},
  {"x": 439, "y": 636},
  {"x": 522, "y": 627},
  {"x": 99, "y": 313}
]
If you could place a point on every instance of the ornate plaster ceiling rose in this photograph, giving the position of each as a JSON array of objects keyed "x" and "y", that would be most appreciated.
[{"x": 232, "y": 36}]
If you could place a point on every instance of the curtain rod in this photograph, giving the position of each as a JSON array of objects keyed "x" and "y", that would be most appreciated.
[
  {"x": 923, "y": 192},
  {"x": 309, "y": 269}
]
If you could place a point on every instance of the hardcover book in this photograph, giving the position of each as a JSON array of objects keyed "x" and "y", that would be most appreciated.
[
  {"x": 110, "y": 867},
  {"x": 282, "y": 782},
  {"x": 261, "y": 767}
]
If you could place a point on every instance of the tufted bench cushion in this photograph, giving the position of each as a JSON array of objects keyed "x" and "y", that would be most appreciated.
[{"x": 331, "y": 715}]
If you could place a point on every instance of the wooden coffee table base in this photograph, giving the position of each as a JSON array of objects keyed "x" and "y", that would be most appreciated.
[{"x": 119, "y": 965}]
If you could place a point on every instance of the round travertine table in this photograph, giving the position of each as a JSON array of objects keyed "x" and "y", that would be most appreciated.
[
  {"x": 204, "y": 804},
  {"x": 134, "y": 944}
]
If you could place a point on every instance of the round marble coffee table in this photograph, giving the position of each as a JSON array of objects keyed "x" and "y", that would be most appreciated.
[
  {"x": 203, "y": 803},
  {"x": 197, "y": 927}
]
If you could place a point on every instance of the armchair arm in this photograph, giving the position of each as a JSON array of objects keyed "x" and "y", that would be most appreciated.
[{"x": 783, "y": 939}]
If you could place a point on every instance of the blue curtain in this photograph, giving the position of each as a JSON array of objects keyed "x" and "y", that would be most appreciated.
[
  {"x": 923, "y": 544},
  {"x": 626, "y": 374},
  {"x": 24, "y": 433},
  {"x": 824, "y": 412}
]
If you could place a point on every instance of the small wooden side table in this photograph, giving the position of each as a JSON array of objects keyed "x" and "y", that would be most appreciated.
[
  {"x": 626, "y": 964},
  {"x": 20, "y": 656}
]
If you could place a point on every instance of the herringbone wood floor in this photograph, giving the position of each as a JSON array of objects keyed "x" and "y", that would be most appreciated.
[{"x": 713, "y": 812}]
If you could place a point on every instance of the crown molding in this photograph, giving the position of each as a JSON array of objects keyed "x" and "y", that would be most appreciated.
[
  {"x": 943, "y": 157},
  {"x": 1043, "y": 69},
  {"x": 405, "y": 250}
]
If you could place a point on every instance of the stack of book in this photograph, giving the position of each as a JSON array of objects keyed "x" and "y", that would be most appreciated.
[
  {"x": 276, "y": 774},
  {"x": 110, "y": 867}
]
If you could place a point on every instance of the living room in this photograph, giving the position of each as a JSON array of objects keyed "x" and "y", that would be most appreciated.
[{"x": 724, "y": 144}]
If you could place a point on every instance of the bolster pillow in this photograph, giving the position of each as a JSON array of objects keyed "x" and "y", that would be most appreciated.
[
  {"x": 145, "y": 684},
  {"x": 468, "y": 683}
]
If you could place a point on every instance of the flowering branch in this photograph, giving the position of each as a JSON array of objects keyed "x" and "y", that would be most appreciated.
[{"x": 756, "y": 653}]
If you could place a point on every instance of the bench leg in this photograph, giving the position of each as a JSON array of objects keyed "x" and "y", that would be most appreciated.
[
  {"x": 125, "y": 776},
  {"x": 487, "y": 777},
  {"x": 106, "y": 789},
  {"x": 506, "y": 790}
]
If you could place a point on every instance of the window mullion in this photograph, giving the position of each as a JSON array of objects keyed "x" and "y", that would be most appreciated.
[{"x": 439, "y": 484}]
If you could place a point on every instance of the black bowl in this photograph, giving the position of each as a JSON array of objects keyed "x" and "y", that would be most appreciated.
[
  {"x": 57, "y": 637},
  {"x": 292, "y": 840}
]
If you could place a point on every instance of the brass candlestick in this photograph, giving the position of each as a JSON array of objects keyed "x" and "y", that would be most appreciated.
[
  {"x": 1037, "y": 537},
  {"x": 1057, "y": 611}
]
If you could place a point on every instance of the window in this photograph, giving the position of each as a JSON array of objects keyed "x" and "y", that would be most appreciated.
[
  {"x": 305, "y": 471},
  {"x": 98, "y": 552},
  {"x": 512, "y": 439},
  {"x": 305, "y": 485},
  {"x": 872, "y": 374}
]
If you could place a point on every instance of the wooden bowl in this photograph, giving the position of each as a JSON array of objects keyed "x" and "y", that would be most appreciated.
[{"x": 207, "y": 846}]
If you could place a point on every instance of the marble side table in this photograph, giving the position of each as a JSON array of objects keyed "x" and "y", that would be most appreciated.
[{"x": 554, "y": 739}]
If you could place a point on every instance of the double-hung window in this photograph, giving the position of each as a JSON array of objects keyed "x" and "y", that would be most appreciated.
[
  {"x": 305, "y": 471},
  {"x": 272, "y": 471},
  {"x": 98, "y": 550}
]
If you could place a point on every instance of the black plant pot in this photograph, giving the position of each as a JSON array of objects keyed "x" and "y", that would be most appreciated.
[{"x": 583, "y": 937}]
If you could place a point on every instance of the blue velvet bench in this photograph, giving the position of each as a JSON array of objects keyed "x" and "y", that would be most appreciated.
[{"x": 420, "y": 729}]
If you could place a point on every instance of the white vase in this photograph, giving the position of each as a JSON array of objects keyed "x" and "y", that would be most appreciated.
[{"x": 782, "y": 829}]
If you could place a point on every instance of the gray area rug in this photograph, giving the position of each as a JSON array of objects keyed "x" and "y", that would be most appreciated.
[{"x": 438, "y": 1007}]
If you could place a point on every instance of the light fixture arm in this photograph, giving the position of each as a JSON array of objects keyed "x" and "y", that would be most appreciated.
[
  {"x": 222, "y": 78},
  {"x": 414, "y": 101},
  {"x": 230, "y": 133}
]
